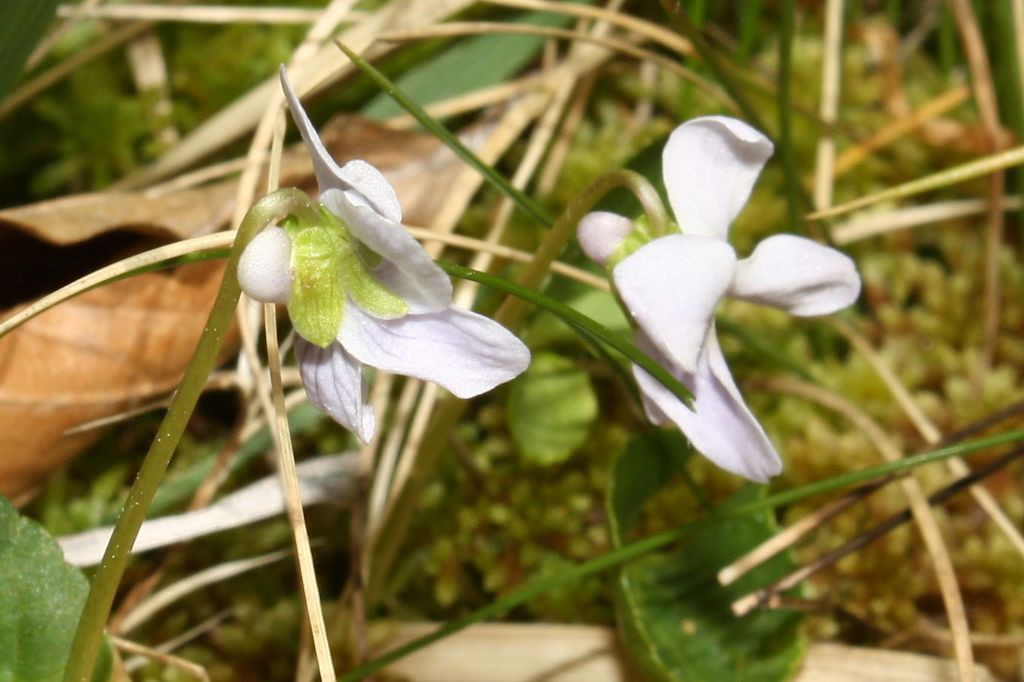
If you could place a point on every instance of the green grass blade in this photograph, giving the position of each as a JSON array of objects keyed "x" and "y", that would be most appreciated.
[
  {"x": 468, "y": 65},
  {"x": 653, "y": 543},
  {"x": 22, "y": 23},
  {"x": 581, "y": 323},
  {"x": 523, "y": 202},
  {"x": 682, "y": 22},
  {"x": 787, "y": 17}
]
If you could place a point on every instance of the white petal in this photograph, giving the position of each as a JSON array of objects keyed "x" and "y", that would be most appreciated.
[
  {"x": 411, "y": 273},
  {"x": 371, "y": 183},
  {"x": 671, "y": 286},
  {"x": 334, "y": 383},
  {"x": 710, "y": 165},
  {"x": 600, "y": 233},
  {"x": 357, "y": 174},
  {"x": 798, "y": 275},
  {"x": 721, "y": 426},
  {"x": 264, "y": 270},
  {"x": 462, "y": 351}
]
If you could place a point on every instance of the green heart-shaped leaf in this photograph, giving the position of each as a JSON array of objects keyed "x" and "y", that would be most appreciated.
[
  {"x": 676, "y": 617},
  {"x": 551, "y": 408},
  {"x": 41, "y": 598}
]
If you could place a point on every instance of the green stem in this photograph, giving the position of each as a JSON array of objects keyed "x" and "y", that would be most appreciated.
[
  {"x": 654, "y": 542},
  {"x": 89, "y": 635},
  {"x": 511, "y": 312}
]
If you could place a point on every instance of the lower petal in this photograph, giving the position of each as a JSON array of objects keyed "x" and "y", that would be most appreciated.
[
  {"x": 334, "y": 383},
  {"x": 721, "y": 426},
  {"x": 671, "y": 287},
  {"x": 464, "y": 352}
]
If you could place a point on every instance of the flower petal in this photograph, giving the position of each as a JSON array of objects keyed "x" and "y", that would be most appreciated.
[
  {"x": 462, "y": 351},
  {"x": 334, "y": 383},
  {"x": 408, "y": 269},
  {"x": 264, "y": 270},
  {"x": 672, "y": 286},
  {"x": 721, "y": 426},
  {"x": 798, "y": 275},
  {"x": 710, "y": 165},
  {"x": 601, "y": 232},
  {"x": 357, "y": 174}
]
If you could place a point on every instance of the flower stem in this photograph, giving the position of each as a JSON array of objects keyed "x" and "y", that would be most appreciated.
[
  {"x": 511, "y": 312},
  {"x": 89, "y": 635}
]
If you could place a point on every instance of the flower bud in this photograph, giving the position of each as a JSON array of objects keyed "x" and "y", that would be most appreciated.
[
  {"x": 600, "y": 233},
  {"x": 264, "y": 270}
]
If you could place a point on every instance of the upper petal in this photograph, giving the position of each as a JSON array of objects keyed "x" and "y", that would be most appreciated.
[
  {"x": 357, "y": 174},
  {"x": 462, "y": 351},
  {"x": 672, "y": 286},
  {"x": 721, "y": 425},
  {"x": 798, "y": 275},
  {"x": 710, "y": 165},
  {"x": 408, "y": 269},
  {"x": 334, "y": 383}
]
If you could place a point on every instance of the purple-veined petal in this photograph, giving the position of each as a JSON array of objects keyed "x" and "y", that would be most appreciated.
[
  {"x": 710, "y": 165},
  {"x": 356, "y": 174},
  {"x": 408, "y": 269},
  {"x": 797, "y": 275},
  {"x": 334, "y": 383},
  {"x": 721, "y": 425},
  {"x": 600, "y": 233},
  {"x": 264, "y": 270},
  {"x": 671, "y": 286},
  {"x": 460, "y": 350}
]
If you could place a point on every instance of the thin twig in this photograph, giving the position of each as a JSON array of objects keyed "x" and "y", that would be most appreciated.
[
  {"x": 988, "y": 107},
  {"x": 928, "y": 430},
  {"x": 941, "y": 562},
  {"x": 766, "y": 595},
  {"x": 194, "y": 669}
]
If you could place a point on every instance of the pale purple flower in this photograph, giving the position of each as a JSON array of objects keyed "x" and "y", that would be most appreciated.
[
  {"x": 429, "y": 338},
  {"x": 672, "y": 284}
]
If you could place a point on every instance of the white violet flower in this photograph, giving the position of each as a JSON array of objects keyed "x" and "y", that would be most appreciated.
[
  {"x": 361, "y": 291},
  {"x": 671, "y": 285}
]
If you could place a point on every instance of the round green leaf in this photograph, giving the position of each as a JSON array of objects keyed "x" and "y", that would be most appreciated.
[
  {"x": 41, "y": 598},
  {"x": 676, "y": 617},
  {"x": 551, "y": 408}
]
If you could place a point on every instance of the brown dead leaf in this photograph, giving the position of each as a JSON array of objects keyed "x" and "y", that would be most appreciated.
[
  {"x": 80, "y": 217},
  {"x": 96, "y": 355},
  {"x": 109, "y": 349}
]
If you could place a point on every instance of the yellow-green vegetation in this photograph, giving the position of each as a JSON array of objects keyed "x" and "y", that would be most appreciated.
[{"x": 491, "y": 519}]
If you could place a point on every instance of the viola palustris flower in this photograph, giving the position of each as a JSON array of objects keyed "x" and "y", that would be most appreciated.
[
  {"x": 671, "y": 285},
  {"x": 361, "y": 291}
]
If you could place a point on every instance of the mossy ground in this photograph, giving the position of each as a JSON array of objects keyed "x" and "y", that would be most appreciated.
[{"x": 491, "y": 521}]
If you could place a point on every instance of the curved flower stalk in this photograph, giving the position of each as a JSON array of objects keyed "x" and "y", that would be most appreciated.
[
  {"x": 671, "y": 285},
  {"x": 361, "y": 291}
]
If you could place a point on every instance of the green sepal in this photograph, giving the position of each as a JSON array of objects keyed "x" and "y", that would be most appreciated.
[
  {"x": 366, "y": 292},
  {"x": 638, "y": 236},
  {"x": 318, "y": 296}
]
